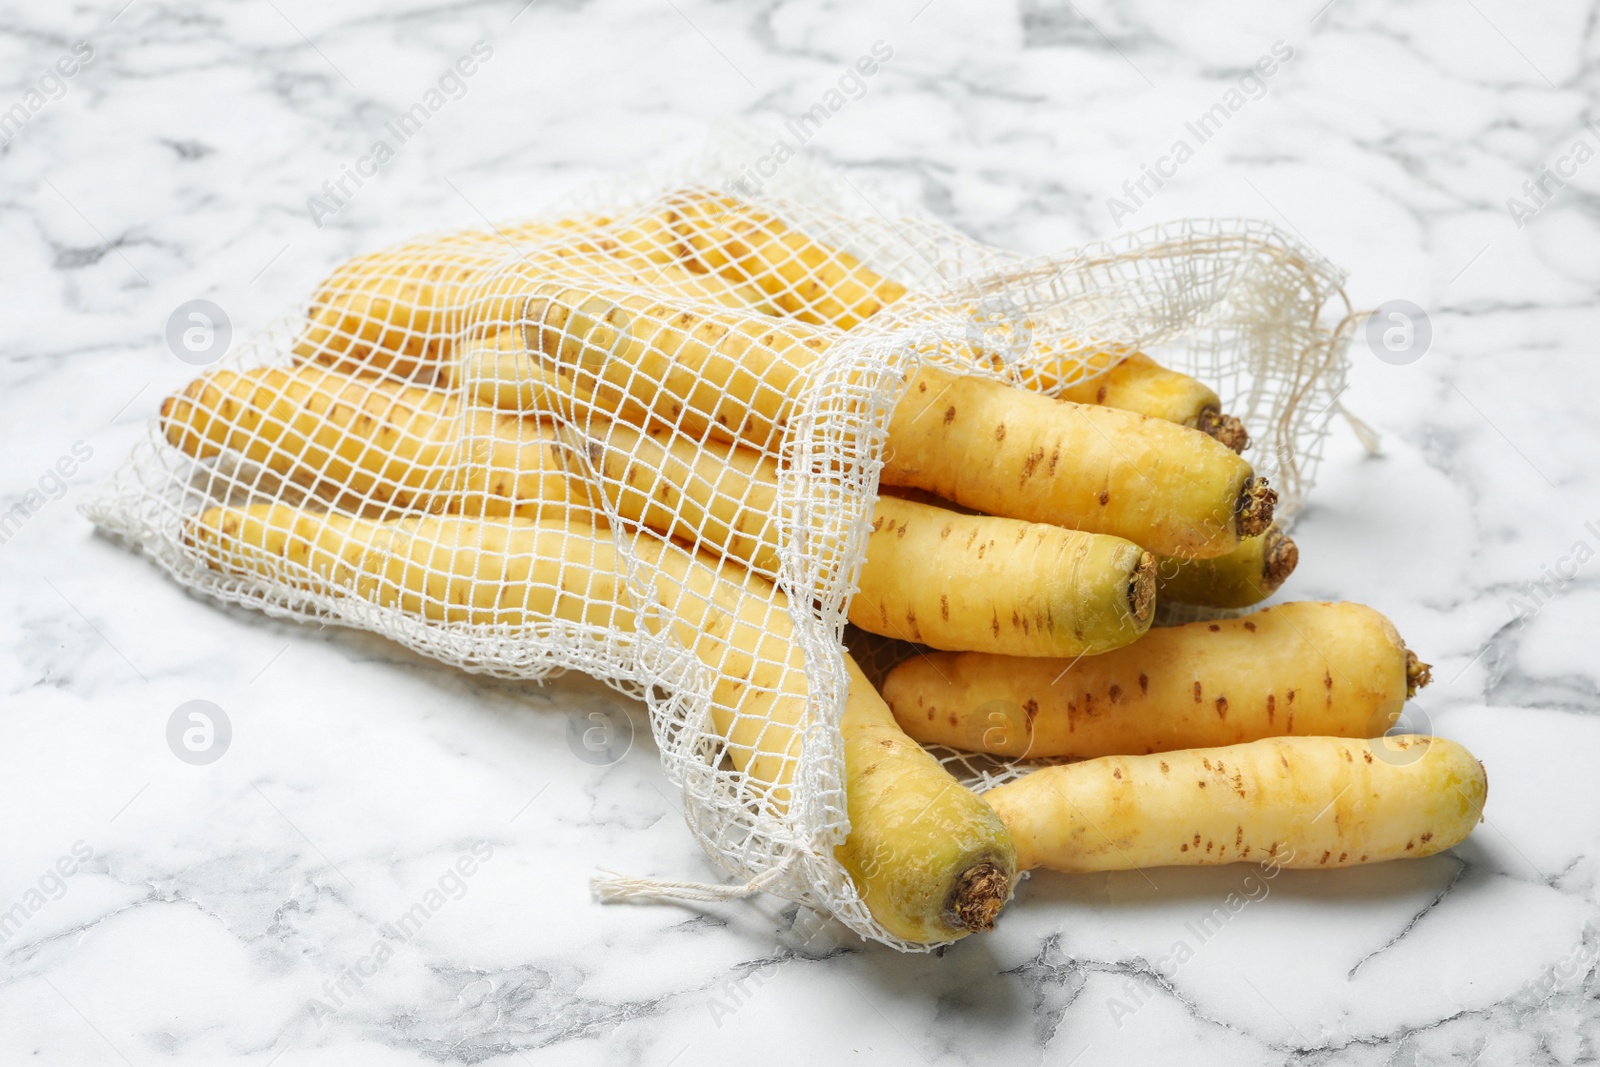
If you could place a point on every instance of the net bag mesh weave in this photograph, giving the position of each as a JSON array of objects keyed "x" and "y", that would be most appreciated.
[{"x": 462, "y": 451}]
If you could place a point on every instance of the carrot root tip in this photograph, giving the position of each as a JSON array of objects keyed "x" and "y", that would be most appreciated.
[
  {"x": 1225, "y": 428},
  {"x": 1282, "y": 556},
  {"x": 1418, "y": 673},
  {"x": 979, "y": 894},
  {"x": 1253, "y": 510}
]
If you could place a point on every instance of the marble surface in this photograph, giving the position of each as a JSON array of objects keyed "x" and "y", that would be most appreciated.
[{"x": 263, "y": 908}]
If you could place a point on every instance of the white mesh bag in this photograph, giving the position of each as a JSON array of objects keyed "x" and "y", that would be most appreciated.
[{"x": 465, "y": 444}]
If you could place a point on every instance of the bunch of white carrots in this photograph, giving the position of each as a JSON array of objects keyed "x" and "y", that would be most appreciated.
[{"x": 1022, "y": 537}]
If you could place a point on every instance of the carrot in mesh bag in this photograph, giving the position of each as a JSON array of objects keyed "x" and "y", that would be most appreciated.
[
  {"x": 930, "y": 859},
  {"x": 929, "y": 575},
  {"x": 371, "y": 441},
  {"x": 397, "y": 311},
  {"x": 1255, "y": 569},
  {"x": 635, "y": 353},
  {"x": 497, "y": 371},
  {"x": 952, "y": 581},
  {"x": 728, "y": 374},
  {"x": 827, "y": 286},
  {"x": 401, "y": 309},
  {"x": 973, "y": 440}
]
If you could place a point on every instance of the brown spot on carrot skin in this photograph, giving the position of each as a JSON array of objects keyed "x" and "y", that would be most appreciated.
[
  {"x": 1144, "y": 683},
  {"x": 1367, "y": 756},
  {"x": 949, "y": 415},
  {"x": 1116, "y": 772},
  {"x": 1031, "y": 463},
  {"x": 1105, "y": 498},
  {"x": 944, "y": 606},
  {"x": 922, "y": 387},
  {"x": 1000, "y": 432},
  {"x": 1325, "y": 856},
  {"x": 1222, "y": 707},
  {"x": 1327, "y": 680},
  {"x": 1291, "y": 698},
  {"x": 995, "y": 625},
  {"x": 1215, "y": 628},
  {"x": 1055, "y": 455},
  {"x": 1116, "y": 693},
  {"x": 1030, "y": 709},
  {"x": 1427, "y": 837},
  {"x": 1410, "y": 845},
  {"x": 1272, "y": 706},
  {"x": 1184, "y": 847},
  {"x": 1250, "y": 626},
  {"x": 1202, "y": 785},
  {"x": 1164, "y": 767},
  {"x": 944, "y": 533},
  {"x": 1343, "y": 856},
  {"x": 1289, "y": 726},
  {"x": 1197, "y": 692},
  {"x": 954, "y": 720}
]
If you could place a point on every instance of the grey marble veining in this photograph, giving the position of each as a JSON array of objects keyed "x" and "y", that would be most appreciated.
[{"x": 305, "y": 899}]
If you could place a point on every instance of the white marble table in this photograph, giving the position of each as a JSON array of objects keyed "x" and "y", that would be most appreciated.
[{"x": 228, "y": 912}]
